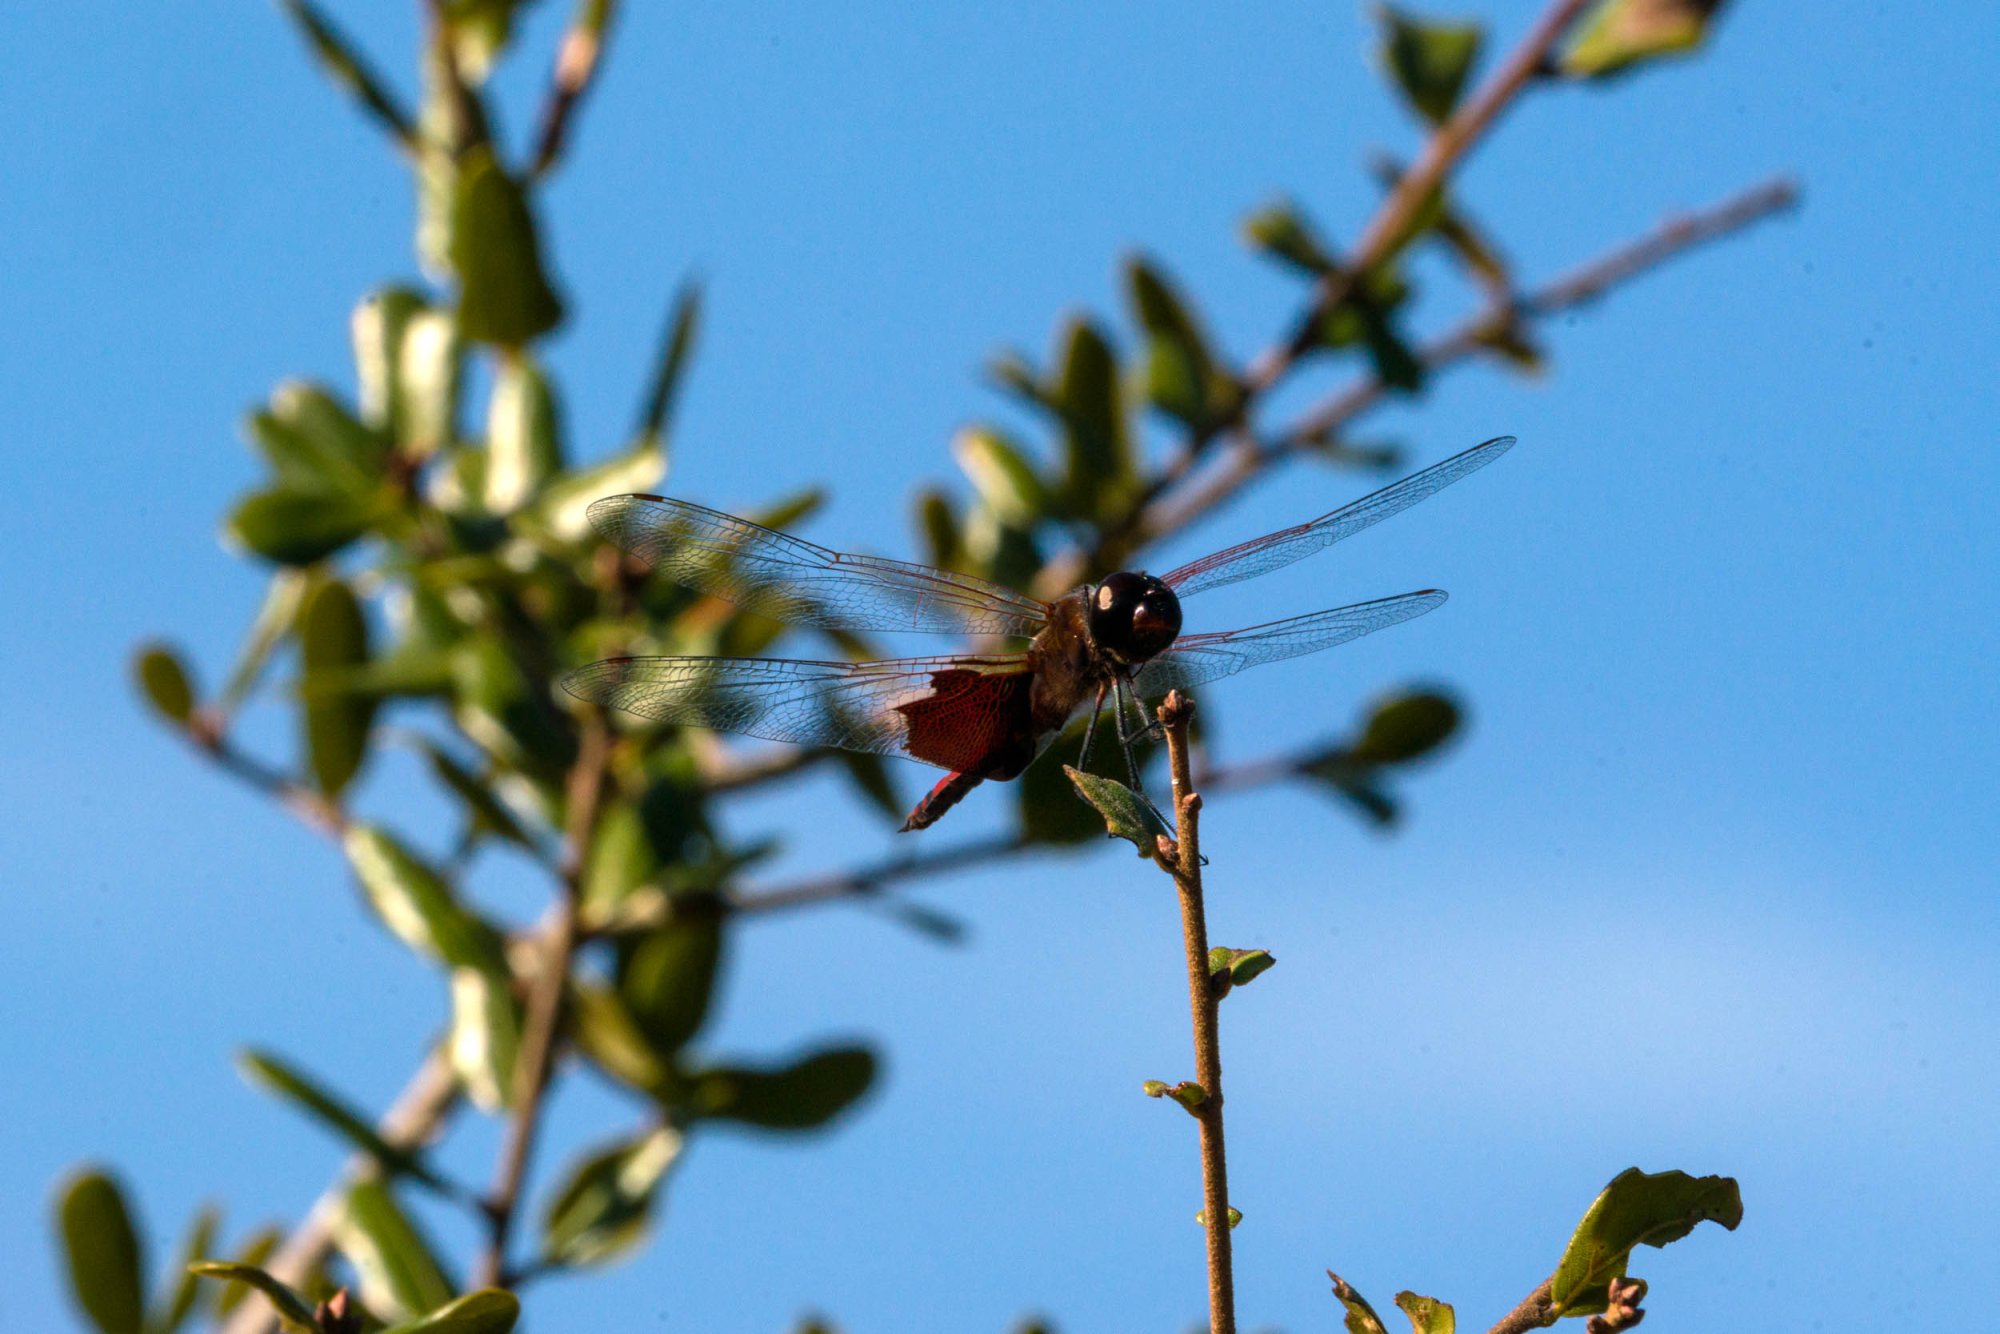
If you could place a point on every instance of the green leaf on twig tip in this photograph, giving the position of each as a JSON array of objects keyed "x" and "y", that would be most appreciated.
[
  {"x": 344, "y": 65},
  {"x": 333, "y": 644},
  {"x": 801, "y": 1096},
  {"x": 504, "y": 291},
  {"x": 1100, "y": 473},
  {"x": 683, "y": 323},
  {"x": 1155, "y": 1088},
  {"x": 414, "y": 902},
  {"x": 1429, "y": 60},
  {"x": 1233, "y": 1214},
  {"x": 603, "y": 1208},
  {"x": 1282, "y": 232},
  {"x": 1361, "y": 1317},
  {"x": 1620, "y": 34},
  {"x": 1637, "y": 1207},
  {"x": 1181, "y": 376},
  {"x": 295, "y": 1313},
  {"x": 303, "y": 1092},
  {"x": 163, "y": 680},
  {"x": 291, "y": 527},
  {"x": 1406, "y": 727},
  {"x": 400, "y": 1275},
  {"x": 1126, "y": 814},
  {"x": 488, "y": 1311},
  {"x": 485, "y": 1038},
  {"x": 1002, "y": 475},
  {"x": 1240, "y": 966},
  {"x": 102, "y": 1250},
  {"x": 1427, "y": 1315}
]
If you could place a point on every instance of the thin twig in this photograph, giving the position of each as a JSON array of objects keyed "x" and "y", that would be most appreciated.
[
  {"x": 871, "y": 879},
  {"x": 1183, "y": 861},
  {"x": 1536, "y": 1311},
  {"x": 544, "y": 1008},
  {"x": 1674, "y": 237},
  {"x": 313, "y": 809},
  {"x": 577, "y": 63}
]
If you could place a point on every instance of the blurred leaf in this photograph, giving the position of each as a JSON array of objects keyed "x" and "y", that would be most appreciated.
[
  {"x": 1437, "y": 214},
  {"x": 1126, "y": 814},
  {"x": 1637, "y": 1208},
  {"x": 293, "y": 1311},
  {"x": 1050, "y": 812},
  {"x": 1513, "y": 344},
  {"x": 256, "y": 1249},
  {"x": 560, "y": 511},
  {"x": 377, "y": 328},
  {"x": 1181, "y": 375},
  {"x": 504, "y": 293},
  {"x": 1429, "y": 61},
  {"x": 1014, "y": 373},
  {"x": 523, "y": 437},
  {"x": 606, "y": 1033},
  {"x": 870, "y": 774},
  {"x": 1001, "y": 474},
  {"x": 488, "y": 1311},
  {"x": 276, "y": 616},
  {"x": 163, "y": 679},
  {"x": 430, "y": 362},
  {"x": 802, "y": 1096},
  {"x": 333, "y": 639},
  {"x": 666, "y": 978},
  {"x": 480, "y": 32},
  {"x": 682, "y": 326},
  {"x": 603, "y": 1207},
  {"x": 417, "y": 905},
  {"x": 932, "y": 923},
  {"x": 509, "y": 715},
  {"x": 1619, "y": 34},
  {"x": 485, "y": 1036},
  {"x": 943, "y": 545},
  {"x": 1361, "y": 1317},
  {"x": 101, "y": 1246},
  {"x": 1407, "y": 726},
  {"x": 399, "y": 1272},
  {"x": 1280, "y": 231},
  {"x": 184, "y": 1292},
  {"x": 621, "y": 859},
  {"x": 1100, "y": 475},
  {"x": 299, "y": 527},
  {"x": 314, "y": 444},
  {"x": 344, "y": 65},
  {"x": 486, "y": 814},
  {"x": 1427, "y": 1315},
  {"x": 274, "y": 1073}
]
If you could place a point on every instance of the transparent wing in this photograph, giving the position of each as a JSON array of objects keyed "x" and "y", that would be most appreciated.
[
  {"x": 958, "y": 703},
  {"x": 1196, "y": 659},
  {"x": 802, "y": 583},
  {"x": 1264, "y": 554}
]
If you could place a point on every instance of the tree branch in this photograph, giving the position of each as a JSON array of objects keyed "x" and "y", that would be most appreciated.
[
  {"x": 577, "y": 63},
  {"x": 1535, "y": 1312}
]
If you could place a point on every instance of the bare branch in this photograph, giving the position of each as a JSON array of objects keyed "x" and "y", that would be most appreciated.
[{"x": 577, "y": 63}]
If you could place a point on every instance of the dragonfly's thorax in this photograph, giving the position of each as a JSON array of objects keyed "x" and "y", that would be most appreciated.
[{"x": 1132, "y": 617}]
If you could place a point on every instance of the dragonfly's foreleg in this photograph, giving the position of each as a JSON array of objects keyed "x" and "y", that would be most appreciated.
[
  {"x": 1125, "y": 740},
  {"x": 1090, "y": 729}
]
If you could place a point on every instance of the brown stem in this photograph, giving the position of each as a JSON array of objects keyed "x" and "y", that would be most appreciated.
[
  {"x": 871, "y": 879},
  {"x": 315, "y": 811},
  {"x": 1203, "y": 1004},
  {"x": 577, "y": 63},
  {"x": 1536, "y": 1311},
  {"x": 544, "y": 1009}
]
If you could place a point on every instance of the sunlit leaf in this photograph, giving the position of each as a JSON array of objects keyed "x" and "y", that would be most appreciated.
[
  {"x": 504, "y": 292},
  {"x": 508, "y": 713},
  {"x": 1001, "y": 473},
  {"x": 416, "y": 904},
  {"x": 1126, "y": 814},
  {"x": 1620, "y": 34},
  {"x": 399, "y": 1272},
  {"x": 523, "y": 435},
  {"x": 377, "y": 329},
  {"x": 605, "y": 1032},
  {"x": 274, "y": 1073},
  {"x": 801, "y": 1096},
  {"x": 1361, "y": 1317},
  {"x": 480, "y": 32},
  {"x": 603, "y": 1208},
  {"x": 488, "y": 1311},
  {"x": 1429, "y": 60},
  {"x": 255, "y": 1251},
  {"x": 333, "y": 641},
  {"x": 294, "y": 1312},
  {"x": 431, "y": 361},
  {"x": 163, "y": 680},
  {"x": 485, "y": 1038},
  {"x": 101, "y": 1248},
  {"x": 1637, "y": 1208},
  {"x": 561, "y": 509},
  {"x": 1427, "y": 1315}
]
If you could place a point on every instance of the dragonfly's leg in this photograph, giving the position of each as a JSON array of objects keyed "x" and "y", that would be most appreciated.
[
  {"x": 1125, "y": 739},
  {"x": 1090, "y": 730}
]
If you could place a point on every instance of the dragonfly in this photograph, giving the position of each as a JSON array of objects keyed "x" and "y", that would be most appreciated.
[{"x": 980, "y": 715}]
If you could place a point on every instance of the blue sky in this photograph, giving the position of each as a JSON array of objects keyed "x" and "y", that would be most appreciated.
[{"x": 1711, "y": 882}]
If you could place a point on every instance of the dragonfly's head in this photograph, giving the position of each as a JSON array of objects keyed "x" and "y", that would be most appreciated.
[{"x": 1133, "y": 616}]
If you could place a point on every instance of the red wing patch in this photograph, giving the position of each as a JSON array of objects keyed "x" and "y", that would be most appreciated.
[{"x": 974, "y": 722}]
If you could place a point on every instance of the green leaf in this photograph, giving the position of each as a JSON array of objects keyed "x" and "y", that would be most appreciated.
[
  {"x": 1636, "y": 1208},
  {"x": 1620, "y": 34},
  {"x": 1233, "y": 1214},
  {"x": 605, "y": 1032},
  {"x": 399, "y": 1272},
  {"x": 1281, "y": 231},
  {"x": 179, "y": 1299},
  {"x": 279, "y": 1076},
  {"x": 509, "y": 714},
  {"x": 163, "y": 680},
  {"x": 485, "y": 1039},
  {"x": 561, "y": 509},
  {"x": 106, "y": 1265},
  {"x": 1429, "y": 61},
  {"x": 333, "y": 642},
  {"x": 294, "y": 1312},
  {"x": 1427, "y": 1315},
  {"x": 1097, "y": 445},
  {"x": 523, "y": 437},
  {"x": 416, "y": 904},
  {"x": 666, "y": 978},
  {"x": 259, "y": 1247},
  {"x": 1126, "y": 814},
  {"x": 1001, "y": 474},
  {"x": 870, "y": 773},
  {"x": 802, "y": 1096},
  {"x": 488, "y": 1311},
  {"x": 1049, "y": 810},
  {"x": 344, "y": 65},
  {"x": 682, "y": 325},
  {"x": 1181, "y": 375},
  {"x": 314, "y": 444},
  {"x": 431, "y": 363},
  {"x": 1241, "y": 966},
  {"x": 504, "y": 292},
  {"x": 1361, "y": 1317},
  {"x": 377, "y": 329},
  {"x": 299, "y": 527},
  {"x": 944, "y": 545},
  {"x": 1406, "y": 727},
  {"x": 485, "y": 812},
  {"x": 605, "y": 1204},
  {"x": 480, "y": 32}
]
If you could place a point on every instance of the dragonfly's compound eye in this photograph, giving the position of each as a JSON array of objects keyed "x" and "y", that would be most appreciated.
[{"x": 1134, "y": 616}]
